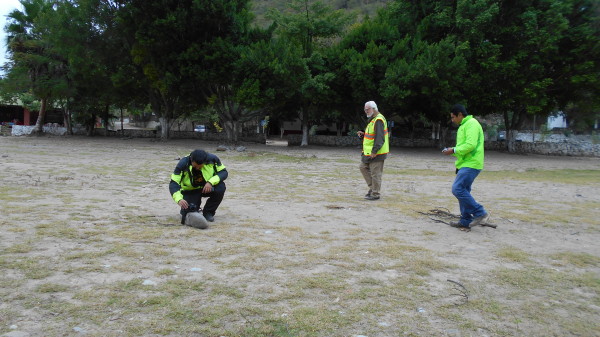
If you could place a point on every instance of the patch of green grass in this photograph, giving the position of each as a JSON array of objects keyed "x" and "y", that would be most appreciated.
[
  {"x": 32, "y": 268},
  {"x": 579, "y": 260},
  {"x": 275, "y": 157},
  {"x": 566, "y": 176},
  {"x": 165, "y": 272},
  {"x": 19, "y": 248},
  {"x": 85, "y": 254},
  {"x": 424, "y": 264},
  {"x": 420, "y": 173},
  {"x": 277, "y": 327},
  {"x": 565, "y": 213},
  {"x": 325, "y": 282},
  {"x": 224, "y": 290},
  {"x": 320, "y": 320},
  {"x": 159, "y": 301},
  {"x": 589, "y": 280},
  {"x": 513, "y": 254},
  {"x": 52, "y": 288},
  {"x": 525, "y": 278}
]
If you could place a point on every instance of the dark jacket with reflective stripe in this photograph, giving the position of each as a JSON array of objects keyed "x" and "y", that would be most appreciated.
[{"x": 185, "y": 178}]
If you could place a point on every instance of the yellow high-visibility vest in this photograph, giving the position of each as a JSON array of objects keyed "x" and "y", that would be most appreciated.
[{"x": 369, "y": 138}]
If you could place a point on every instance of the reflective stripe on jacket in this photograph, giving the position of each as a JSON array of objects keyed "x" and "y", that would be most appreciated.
[
  {"x": 369, "y": 138},
  {"x": 469, "y": 144}
]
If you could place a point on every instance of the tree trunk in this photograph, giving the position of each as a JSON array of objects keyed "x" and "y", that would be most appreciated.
[
  {"x": 39, "y": 124},
  {"x": 67, "y": 119},
  {"x": 90, "y": 125},
  {"x": 232, "y": 130},
  {"x": 513, "y": 125},
  {"x": 304, "y": 121},
  {"x": 443, "y": 136},
  {"x": 106, "y": 114},
  {"x": 122, "y": 130},
  {"x": 164, "y": 127},
  {"x": 511, "y": 140}
]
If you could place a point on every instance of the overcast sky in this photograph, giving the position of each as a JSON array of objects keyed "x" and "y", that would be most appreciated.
[{"x": 6, "y": 6}]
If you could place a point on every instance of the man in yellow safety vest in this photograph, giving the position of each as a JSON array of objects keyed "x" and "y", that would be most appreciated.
[{"x": 376, "y": 146}]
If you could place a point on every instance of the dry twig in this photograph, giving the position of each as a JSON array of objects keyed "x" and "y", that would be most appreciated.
[
  {"x": 444, "y": 213},
  {"x": 463, "y": 292}
]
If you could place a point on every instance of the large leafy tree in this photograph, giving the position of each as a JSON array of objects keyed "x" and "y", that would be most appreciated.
[
  {"x": 183, "y": 47},
  {"x": 577, "y": 67},
  {"x": 406, "y": 59},
  {"x": 360, "y": 61},
  {"x": 226, "y": 90},
  {"x": 84, "y": 34},
  {"x": 34, "y": 65},
  {"x": 269, "y": 73},
  {"x": 516, "y": 58},
  {"x": 514, "y": 69},
  {"x": 537, "y": 56},
  {"x": 429, "y": 70},
  {"x": 311, "y": 25}
]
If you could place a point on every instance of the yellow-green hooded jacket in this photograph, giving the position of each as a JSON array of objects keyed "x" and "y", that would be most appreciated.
[{"x": 469, "y": 144}]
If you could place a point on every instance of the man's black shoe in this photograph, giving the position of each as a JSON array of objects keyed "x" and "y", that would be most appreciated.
[
  {"x": 372, "y": 197},
  {"x": 209, "y": 217}
]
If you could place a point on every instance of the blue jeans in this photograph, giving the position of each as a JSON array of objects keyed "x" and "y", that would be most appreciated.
[{"x": 461, "y": 188}]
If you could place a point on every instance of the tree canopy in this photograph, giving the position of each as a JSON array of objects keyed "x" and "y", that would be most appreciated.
[{"x": 311, "y": 62}]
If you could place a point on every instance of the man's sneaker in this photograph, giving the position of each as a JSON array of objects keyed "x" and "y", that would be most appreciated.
[
  {"x": 372, "y": 197},
  {"x": 209, "y": 217},
  {"x": 196, "y": 220},
  {"x": 481, "y": 220}
]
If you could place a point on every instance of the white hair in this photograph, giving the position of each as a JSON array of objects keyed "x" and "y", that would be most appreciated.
[{"x": 372, "y": 104}]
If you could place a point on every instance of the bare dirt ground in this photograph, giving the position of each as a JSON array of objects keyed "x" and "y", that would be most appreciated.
[{"x": 90, "y": 244}]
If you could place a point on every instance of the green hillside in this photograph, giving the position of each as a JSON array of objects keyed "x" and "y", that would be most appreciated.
[{"x": 362, "y": 7}]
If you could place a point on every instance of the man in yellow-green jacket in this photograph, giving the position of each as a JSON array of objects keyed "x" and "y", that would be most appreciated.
[
  {"x": 469, "y": 155},
  {"x": 198, "y": 175}
]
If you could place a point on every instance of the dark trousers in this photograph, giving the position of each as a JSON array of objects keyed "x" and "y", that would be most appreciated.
[{"x": 212, "y": 203}]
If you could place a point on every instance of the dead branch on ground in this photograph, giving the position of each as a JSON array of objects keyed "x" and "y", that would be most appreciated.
[
  {"x": 444, "y": 213},
  {"x": 463, "y": 292}
]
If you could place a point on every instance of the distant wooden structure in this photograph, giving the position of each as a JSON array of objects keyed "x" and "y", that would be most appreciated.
[{"x": 16, "y": 114}]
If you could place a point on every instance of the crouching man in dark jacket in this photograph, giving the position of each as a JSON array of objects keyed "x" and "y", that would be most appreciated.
[{"x": 198, "y": 175}]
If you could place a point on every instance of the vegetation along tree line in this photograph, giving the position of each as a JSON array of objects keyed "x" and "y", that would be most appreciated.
[{"x": 306, "y": 60}]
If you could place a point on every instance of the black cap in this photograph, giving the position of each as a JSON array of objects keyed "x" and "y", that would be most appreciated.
[
  {"x": 198, "y": 156},
  {"x": 459, "y": 108}
]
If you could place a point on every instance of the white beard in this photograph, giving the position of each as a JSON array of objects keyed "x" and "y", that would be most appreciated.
[{"x": 369, "y": 115}]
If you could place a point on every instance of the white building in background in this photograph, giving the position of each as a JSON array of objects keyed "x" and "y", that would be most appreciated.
[{"x": 558, "y": 121}]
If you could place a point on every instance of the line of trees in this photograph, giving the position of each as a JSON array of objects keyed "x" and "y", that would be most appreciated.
[{"x": 314, "y": 63}]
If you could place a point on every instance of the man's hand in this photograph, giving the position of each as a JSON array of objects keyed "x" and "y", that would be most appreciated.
[
  {"x": 373, "y": 155},
  {"x": 183, "y": 204},
  {"x": 360, "y": 134},
  {"x": 208, "y": 187},
  {"x": 448, "y": 151}
]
